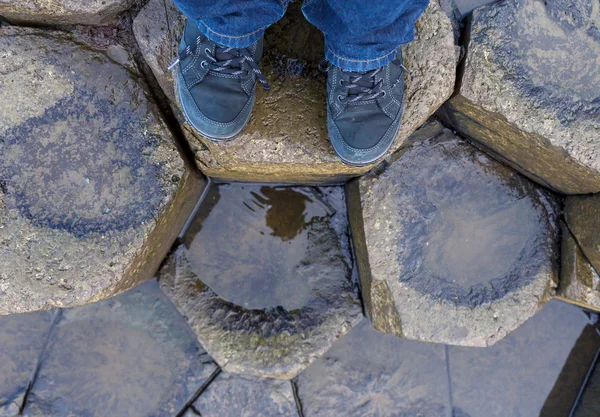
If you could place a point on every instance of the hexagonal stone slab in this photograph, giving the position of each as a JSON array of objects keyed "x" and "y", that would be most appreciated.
[
  {"x": 92, "y": 188},
  {"x": 264, "y": 276},
  {"x": 286, "y": 140},
  {"x": 453, "y": 247},
  {"x": 234, "y": 395},
  {"x": 22, "y": 340},
  {"x": 368, "y": 373},
  {"x": 64, "y": 12},
  {"x": 531, "y": 89},
  {"x": 132, "y": 355}
]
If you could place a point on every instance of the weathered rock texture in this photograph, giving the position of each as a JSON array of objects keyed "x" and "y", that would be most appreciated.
[
  {"x": 234, "y": 396},
  {"x": 530, "y": 91},
  {"x": 454, "y": 247},
  {"x": 582, "y": 214},
  {"x": 579, "y": 281},
  {"x": 129, "y": 356},
  {"x": 64, "y": 12},
  {"x": 536, "y": 371},
  {"x": 22, "y": 339},
  {"x": 92, "y": 188},
  {"x": 264, "y": 277},
  {"x": 368, "y": 373},
  {"x": 286, "y": 139}
]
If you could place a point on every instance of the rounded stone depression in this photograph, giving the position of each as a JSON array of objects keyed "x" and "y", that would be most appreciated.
[
  {"x": 92, "y": 188},
  {"x": 264, "y": 276},
  {"x": 464, "y": 247}
]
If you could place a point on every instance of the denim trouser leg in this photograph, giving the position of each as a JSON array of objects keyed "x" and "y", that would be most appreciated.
[
  {"x": 361, "y": 35},
  {"x": 233, "y": 23}
]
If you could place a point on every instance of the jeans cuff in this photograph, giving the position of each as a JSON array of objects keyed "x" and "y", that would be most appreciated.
[
  {"x": 356, "y": 65},
  {"x": 242, "y": 41}
]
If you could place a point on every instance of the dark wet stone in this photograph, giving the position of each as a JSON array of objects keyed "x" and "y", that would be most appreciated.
[
  {"x": 132, "y": 355},
  {"x": 22, "y": 338},
  {"x": 457, "y": 247},
  {"x": 64, "y": 12},
  {"x": 368, "y": 373},
  {"x": 583, "y": 218},
  {"x": 264, "y": 277},
  {"x": 579, "y": 281},
  {"x": 234, "y": 396},
  {"x": 88, "y": 205},
  {"x": 589, "y": 404},
  {"x": 530, "y": 91},
  {"x": 536, "y": 371},
  {"x": 286, "y": 139}
]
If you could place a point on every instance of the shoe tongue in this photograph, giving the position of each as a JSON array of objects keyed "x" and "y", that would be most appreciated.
[{"x": 366, "y": 82}]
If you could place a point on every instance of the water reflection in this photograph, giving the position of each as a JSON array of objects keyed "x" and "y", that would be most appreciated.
[{"x": 255, "y": 245}]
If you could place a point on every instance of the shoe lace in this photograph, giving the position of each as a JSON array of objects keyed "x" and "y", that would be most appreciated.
[
  {"x": 357, "y": 85},
  {"x": 235, "y": 64}
]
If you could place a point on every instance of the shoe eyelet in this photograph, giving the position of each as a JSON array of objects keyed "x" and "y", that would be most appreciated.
[
  {"x": 207, "y": 51},
  {"x": 342, "y": 83},
  {"x": 383, "y": 94},
  {"x": 339, "y": 97},
  {"x": 203, "y": 64}
]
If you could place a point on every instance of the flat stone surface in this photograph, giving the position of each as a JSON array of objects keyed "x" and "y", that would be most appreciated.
[
  {"x": 453, "y": 247},
  {"x": 582, "y": 214},
  {"x": 368, "y": 373},
  {"x": 264, "y": 276},
  {"x": 22, "y": 339},
  {"x": 92, "y": 188},
  {"x": 130, "y": 356},
  {"x": 531, "y": 89},
  {"x": 590, "y": 400},
  {"x": 234, "y": 396},
  {"x": 579, "y": 281},
  {"x": 286, "y": 139},
  {"x": 64, "y": 12},
  {"x": 536, "y": 371}
]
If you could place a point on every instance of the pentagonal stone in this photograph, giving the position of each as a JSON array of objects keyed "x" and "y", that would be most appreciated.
[
  {"x": 537, "y": 370},
  {"x": 132, "y": 355},
  {"x": 286, "y": 139},
  {"x": 579, "y": 281},
  {"x": 530, "y": 90},
  {"x": 264, "y": 277},
  {"x": 453, "y": 246},
  {"x": 234, "y": 395},
  {"x": 22, "y": 339},
  {"x": 582, "y": 214},
  {"x": 92, "y": 188},
  {"x": 368, "y": 373},
  {"x": 64, "y": 12}
]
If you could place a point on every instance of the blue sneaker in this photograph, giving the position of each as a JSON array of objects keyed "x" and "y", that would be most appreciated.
[
  {"x": 216, "y": 85},
  {"x": 364, "y": 111}
]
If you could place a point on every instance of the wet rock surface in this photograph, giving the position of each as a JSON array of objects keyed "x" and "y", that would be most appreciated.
[
  {"x": 537, "y": 370},
  {"x": 370, "y": 373},
  {"x": 286, "y": 140},
  {"x": 129, "y": 356},
  {"x": 92, "y": 188},
  {"x": 582, "y": 214},
  {"x": 64, "y": 12},
  {"x": 579, "y": 281},
  {"x": 452, "y": 246},
  {"x": 22, "y": 340},
  {"x": 531, "y": 89},
  {"x": 233, "y": 396},
  {"x": 264, "y": 277}
]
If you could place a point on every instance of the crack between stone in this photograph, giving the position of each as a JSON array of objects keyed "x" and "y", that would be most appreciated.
[
  {"x": 566, "y": 224},
  {"x": 189, "y": 404},
  {"x": 57, "y": 315},
  {"x": 297, "y": 399},
  {"x": 585, "y": 383}
]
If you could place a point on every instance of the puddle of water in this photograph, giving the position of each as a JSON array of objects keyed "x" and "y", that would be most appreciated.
[{"x": 253, "y": 245}]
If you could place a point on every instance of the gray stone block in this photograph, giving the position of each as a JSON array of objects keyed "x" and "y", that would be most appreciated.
[
  {"x": 93, "y": 191},
  {"x": 530, "y": 90},
  {"x": 453, "y": 247},
  {"x": 286, "y": 139},
  {"x": 264, "y": 277}
]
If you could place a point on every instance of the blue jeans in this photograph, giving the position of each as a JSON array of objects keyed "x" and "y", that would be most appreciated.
[{"x": 360, "y": 35}]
